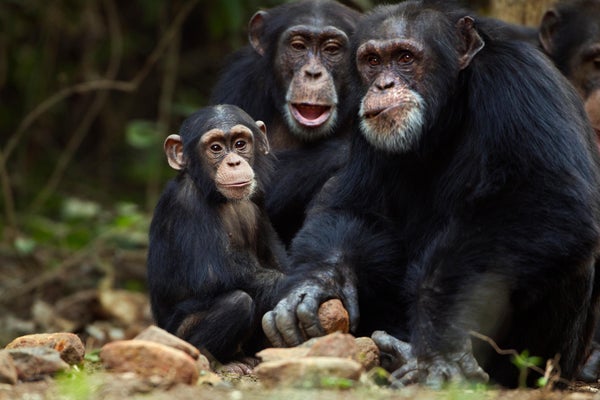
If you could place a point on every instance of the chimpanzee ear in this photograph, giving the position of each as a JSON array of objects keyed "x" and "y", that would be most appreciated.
[
  {"x": 174, "y": 151},
  {"x": 548, "y": 27},
  {"x": 255, "y": 31},
  {"x": 263, "y": 141},
  {"x": 471, "y": 40}
]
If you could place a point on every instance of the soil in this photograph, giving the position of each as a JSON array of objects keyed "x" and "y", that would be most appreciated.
[{"x": 82, "y": 294}]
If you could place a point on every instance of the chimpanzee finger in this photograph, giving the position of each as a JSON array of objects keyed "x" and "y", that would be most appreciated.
[
  {"x": 350, "y": 300},
  {"x": 308, "y": 316},
  {"x": 270, "y": 330},
  {"x": 398, "y": 351},
  {"x": 471, "y": 369},
  {"x": 287, "y": 324},
  {"x": 406, "y": 375}
]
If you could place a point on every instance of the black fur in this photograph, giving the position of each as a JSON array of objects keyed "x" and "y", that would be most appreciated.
[
  {"x": 249, "y": 81},
  {"x": 194, "y": 271},
  {"x": 490, "y": 224}
]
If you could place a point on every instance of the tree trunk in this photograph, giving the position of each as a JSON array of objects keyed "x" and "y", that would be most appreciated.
[{"x": 524, "y": 12}]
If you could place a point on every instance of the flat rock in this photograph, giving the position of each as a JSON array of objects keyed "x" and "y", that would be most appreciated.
[
  {"x": 307, "y": 371},
  {"x": 150, "y": 359},
  {"x": 68, "y": 345},
  {"x": 8, "y": 370},
  {"x": 334, "y": 345},
  {"x": 34, "y": 363},
  {"x": 155, "y": 334},
  {"x": 281, "y": 353}
]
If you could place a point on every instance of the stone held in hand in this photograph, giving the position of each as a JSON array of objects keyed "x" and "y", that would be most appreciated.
[{"x": 334, "y": 317}]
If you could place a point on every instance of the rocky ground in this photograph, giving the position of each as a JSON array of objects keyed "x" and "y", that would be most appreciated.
[{"x": 116, "y": 353}]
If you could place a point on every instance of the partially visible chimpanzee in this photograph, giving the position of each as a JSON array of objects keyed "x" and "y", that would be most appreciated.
[
  {"x": 293, "y": 76},
  {"x": 570, "y": 35},
  {"x": 215, "y": 262},
  {"x": 469, "y": 203}
]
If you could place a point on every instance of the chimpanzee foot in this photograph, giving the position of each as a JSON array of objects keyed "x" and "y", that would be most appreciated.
[
  {"x": 243, "y": 366},
  {"x": 434, "y": 371}
]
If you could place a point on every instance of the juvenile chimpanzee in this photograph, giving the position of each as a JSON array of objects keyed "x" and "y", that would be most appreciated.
[
  {"x": 214, "y": 261},
  {"x": 570, "y": 35},
  {"x": 293, "y": 75},
  {"x": 469, "y": 203}
]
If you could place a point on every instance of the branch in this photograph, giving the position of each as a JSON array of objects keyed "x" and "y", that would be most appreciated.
[{"x": 84, "y": 87}]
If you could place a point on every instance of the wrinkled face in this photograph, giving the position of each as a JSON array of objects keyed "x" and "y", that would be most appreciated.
[
  {"x": 408, "y": 65},
  {"x": 228, "y": 155},
  {"x": 307, "y": 62},
  {"x": 392, "y": 111}
]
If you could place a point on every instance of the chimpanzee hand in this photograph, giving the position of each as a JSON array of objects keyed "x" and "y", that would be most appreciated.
[
  {"x": 295, "y": 318},
  {"x": 434, "y": 371}
]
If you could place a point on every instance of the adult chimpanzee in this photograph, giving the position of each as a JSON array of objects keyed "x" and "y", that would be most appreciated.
[
  {"x": 293, "y": 75},
  {"x": 570, "y": 35},
  {"x": 470, "y": 203},
  {"x": 214, "y": 261}
]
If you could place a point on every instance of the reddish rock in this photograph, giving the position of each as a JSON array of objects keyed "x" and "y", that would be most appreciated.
[
  {"x": 33, "y": 363},
  {"x": 8, "y": 370},
  {"x": 334, "y": 345},
  {"x": 368, "y": 352},
  {"x": 307, "y": 371},
  {"x": 277, "y": 353},
  {"x": 155, "y": 334},
  {"x": 334, "y": 317},
  {"x": 149, "y": 359},
  {"x": 68, "y": 345}
]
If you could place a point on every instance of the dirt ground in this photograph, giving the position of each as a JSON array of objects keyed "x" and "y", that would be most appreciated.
[{"x": 90, "y": 293}]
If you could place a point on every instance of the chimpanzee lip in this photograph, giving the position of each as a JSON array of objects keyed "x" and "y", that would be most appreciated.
[
  {"x": 311, "y": 114},
  {"x": 237, "y": 184},
  {"x": 378, "y": 111}
]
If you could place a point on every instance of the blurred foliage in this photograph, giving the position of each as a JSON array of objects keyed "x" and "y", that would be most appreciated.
[
  {"x": 60, "y": 143},
  {"x": 116, "y": 156}
]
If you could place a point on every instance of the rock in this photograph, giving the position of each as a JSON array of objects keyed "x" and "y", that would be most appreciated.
[
  {"x": 69, "y": 345},
  {"x": 334, "y": 317},
  {"x": 150, "y": 359},
  {"x": 8, "y": 370},
  {"x": 368, "y": 352},
  {"x": 277, "y": 353},
  {"x": 307, "y": 371},
  {"x": 202, "y": 364},
  {"x": 34, "y": 363},
  {"x": 155, "y": 334},
  {"x": 334, "y": 345}
]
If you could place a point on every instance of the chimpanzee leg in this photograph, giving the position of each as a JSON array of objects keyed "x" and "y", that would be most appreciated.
[{"x": 221, "y": 328}]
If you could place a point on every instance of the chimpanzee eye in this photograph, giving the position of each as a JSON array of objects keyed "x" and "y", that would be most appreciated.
[
  {"x": 215, "y": 148},
  {"x": 373, "y": 60},
  {"x": 332, "y": 47},
  {"x": 406, "y": 57},
  {"x": 240, "y": 144},
  {"x": 298, "y": 45}
]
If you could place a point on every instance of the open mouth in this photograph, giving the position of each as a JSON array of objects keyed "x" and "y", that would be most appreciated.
[{"x": 310, "y": 114}]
